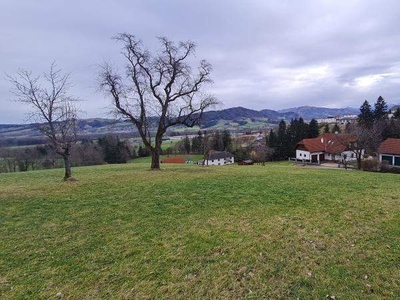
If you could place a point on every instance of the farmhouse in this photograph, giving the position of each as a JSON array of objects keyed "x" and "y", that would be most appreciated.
[
  {"x": 326, "y": 147},
  {"x": 219, "y": 158},
  {"x": 390, "y": 151}
]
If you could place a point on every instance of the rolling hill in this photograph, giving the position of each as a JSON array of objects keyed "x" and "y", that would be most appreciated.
[
  {"x": 236, "y": 119},
  {"x": 312, "y": 112}
]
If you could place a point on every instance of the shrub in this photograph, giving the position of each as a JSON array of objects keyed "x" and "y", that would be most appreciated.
[
  {"x": 371, "y": 165},
  {"x": 386, "y": 168}
]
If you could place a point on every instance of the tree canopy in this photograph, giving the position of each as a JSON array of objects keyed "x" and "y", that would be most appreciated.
[
  {"x": 381, "y": 109},
  {"x": 366, "y": 116},
  {"x": 159, "y": 90},
  {"x": 52, "y": 108}
]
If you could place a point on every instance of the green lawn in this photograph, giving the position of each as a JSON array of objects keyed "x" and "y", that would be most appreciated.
[
  {"x": 192, "y": 232},
  {"x": 147, "y": 160}
]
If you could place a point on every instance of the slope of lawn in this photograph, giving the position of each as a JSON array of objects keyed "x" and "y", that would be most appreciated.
[{"x": 192, "y": 232}]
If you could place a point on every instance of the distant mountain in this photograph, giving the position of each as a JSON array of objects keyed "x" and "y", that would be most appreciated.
[
  {"x": 276, "y": 116},
  {"x": 244, "y": 116},
  {"x": 237, "y": 119},
  {"x": 235, "y": 115},
  {"x": 312, "y": 112},
  {"x": 393, "y": 106}
]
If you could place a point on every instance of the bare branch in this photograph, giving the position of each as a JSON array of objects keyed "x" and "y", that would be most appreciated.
[
  {"x": 52, "y": 108},
  {"x": 160, "y": 85}
]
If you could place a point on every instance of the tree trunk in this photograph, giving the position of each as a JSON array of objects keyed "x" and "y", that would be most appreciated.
[
  {"x": 155, "y": 159},
  {"x": 156, "y": 151},
  {"x": 359, "y": 162},
  {"x": 67, "y": 166}
]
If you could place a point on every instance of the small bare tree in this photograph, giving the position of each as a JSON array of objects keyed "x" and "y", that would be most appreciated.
[
  {"x": 352, "y": 142},
  {"x": 260, "y": 152},
  {"x": 159, "y": 87},
  {"x": 53, "y": 108},
  {"x": 361, "y": 139}
]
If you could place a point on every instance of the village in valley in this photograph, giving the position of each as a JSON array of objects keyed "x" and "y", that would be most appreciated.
[{"x": 339, "y": 141}]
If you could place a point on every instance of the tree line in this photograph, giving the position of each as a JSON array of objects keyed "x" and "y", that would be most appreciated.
[
  {"x": 202, "y": 143},
  {"x": 283, "y": 141},
  {"x": 106, "y": 149},
  {"x": 373, "y": 126}
]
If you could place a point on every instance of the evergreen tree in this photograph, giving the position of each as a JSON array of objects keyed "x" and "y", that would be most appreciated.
[
  {"x": 197, "y": 143},
  {"x": 282, "y": 147},
  {"x": 391, "y": 129},
  {"x": 366, "y": 116},
  {"x": 115, "y": 151},
  {"x": 143, "y": 151},
  {"x": 396, "y": 114},
  {"x": 272, "y": 143},
  {"x": 336, "y": 128},
  {"x": 302, "y": 131},
  {"x": 240, "y": 154},
  {"x": 227, "y": 140},
  {"x": 297, "y": 131},
  {"x": 381, "y": 109},
  {"x": 326, "y": 128},
  {"x": 272, "y": 139},
  {"x": 313, "y": 129},
  {"x": 186, "y": 144},
  {"x": 218, "y": 143}
]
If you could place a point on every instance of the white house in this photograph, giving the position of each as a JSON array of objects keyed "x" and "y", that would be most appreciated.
[
  {"x": 326, "y": 147},
  {"x": 219, "y": 158},
  {"x": 390, "y": 151},
  {"x": 347, "y": 119},
  {"x": 328, "y": 120}
]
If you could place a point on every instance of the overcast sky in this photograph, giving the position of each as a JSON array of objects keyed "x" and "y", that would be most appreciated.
[{"x": 265, "y": 54}]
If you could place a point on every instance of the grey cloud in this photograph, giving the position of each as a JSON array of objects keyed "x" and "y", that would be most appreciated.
[{"x": 265, "y": 54}]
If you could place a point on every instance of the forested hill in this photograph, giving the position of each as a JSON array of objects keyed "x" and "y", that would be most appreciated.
[
  {"x": 238, "y": 118},
  {"x": 244, "y": 116},
  {"x": 312, "y": 112}
]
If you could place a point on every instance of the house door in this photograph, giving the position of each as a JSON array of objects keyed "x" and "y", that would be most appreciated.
[
  {"x": 314, "y": 158},
  {"x": 321, "y": 157}
]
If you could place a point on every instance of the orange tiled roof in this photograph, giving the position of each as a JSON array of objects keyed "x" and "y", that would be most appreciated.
[
  {"x": 328, "y": 142},
  {"x": 390, "y": 146}
]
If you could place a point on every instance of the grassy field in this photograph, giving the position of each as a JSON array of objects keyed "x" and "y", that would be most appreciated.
[
  {"x": 147, "y": 160},
  {"x": 191, "y": 232}
]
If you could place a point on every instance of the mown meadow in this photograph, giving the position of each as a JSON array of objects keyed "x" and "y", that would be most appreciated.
[{"x": 191, "y": 232}]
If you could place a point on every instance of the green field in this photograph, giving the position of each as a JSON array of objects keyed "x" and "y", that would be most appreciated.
[{"x": 192, "y": 232}]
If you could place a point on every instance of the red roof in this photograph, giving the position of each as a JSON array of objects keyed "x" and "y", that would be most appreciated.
[
  {"x": 390, "y": 146},
  {"x": 328, "y": 142}
]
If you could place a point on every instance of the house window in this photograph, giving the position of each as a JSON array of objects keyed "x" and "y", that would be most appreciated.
[{"x": 388, "y": 158}]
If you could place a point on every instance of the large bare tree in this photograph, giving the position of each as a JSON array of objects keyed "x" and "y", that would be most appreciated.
[
  {"x": 158, "y": 86},
  {"x": 52, "y": 108}
]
